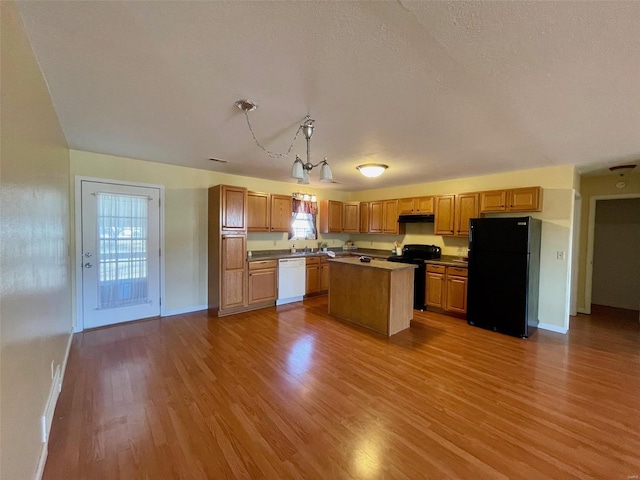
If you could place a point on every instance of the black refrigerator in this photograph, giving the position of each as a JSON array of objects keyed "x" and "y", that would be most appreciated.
[{"x": 504, "y": 272}]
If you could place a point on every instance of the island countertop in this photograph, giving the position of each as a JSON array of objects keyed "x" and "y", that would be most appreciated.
[{"x": 374, "y": 263}]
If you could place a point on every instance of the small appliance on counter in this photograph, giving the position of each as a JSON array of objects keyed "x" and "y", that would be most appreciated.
[{"x": 416, "y": 255}]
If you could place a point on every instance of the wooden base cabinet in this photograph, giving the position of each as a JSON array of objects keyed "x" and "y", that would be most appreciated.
[
  {"x": 313, "y": 276},
  {"x": 446, "y": 289},
  {"x": 324, "y": 274},
  {"x": 263, "y": 282},
  {"x": 456, "y": 290},
  {"x": 435, "y": 286},
  {"x": 233, "y": 293}
]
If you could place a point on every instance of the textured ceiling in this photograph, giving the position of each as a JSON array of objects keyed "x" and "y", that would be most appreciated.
[{"x": 435, "y": 90}]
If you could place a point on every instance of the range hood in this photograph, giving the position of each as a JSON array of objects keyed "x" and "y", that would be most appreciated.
[{"x": 425, "y": 218}]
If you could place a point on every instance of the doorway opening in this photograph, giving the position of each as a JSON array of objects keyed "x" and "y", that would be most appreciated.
[{"x": 613, "y": 253}]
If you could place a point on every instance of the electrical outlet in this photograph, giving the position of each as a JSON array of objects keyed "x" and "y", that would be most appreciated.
[{"x": 559, "y": 255}]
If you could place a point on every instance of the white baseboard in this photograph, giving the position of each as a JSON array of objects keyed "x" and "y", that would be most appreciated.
[
  {"x": 553, "y": 328},
  {"x": 584, "y": 310},
  {"x": 180, "y": 311},
  {"x": 49, "y": 408}
]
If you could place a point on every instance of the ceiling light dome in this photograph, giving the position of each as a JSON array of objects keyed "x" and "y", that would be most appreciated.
[{"x": 372, "y": 169}]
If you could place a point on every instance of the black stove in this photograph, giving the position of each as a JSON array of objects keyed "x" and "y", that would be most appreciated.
[{"x": 416, "y": 255}]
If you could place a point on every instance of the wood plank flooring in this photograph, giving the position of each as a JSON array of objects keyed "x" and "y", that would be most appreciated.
[{"x": 290, "y": 393}]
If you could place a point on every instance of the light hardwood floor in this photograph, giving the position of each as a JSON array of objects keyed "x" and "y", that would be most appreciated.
[{"x": 289, "y": 392}]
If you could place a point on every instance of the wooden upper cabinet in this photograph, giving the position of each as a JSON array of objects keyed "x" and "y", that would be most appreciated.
[
  {"x": 390, "y": 218},
  {"x": 330, "y": 216},
  {"x": 528, "y": 199},
  {"x": 258, "y": 212},
  {"x": 375, "y": 217},
  {"x": 351, "y": 217},
  {"x": 364, "y": 217},
  {"x": 445, "y": 215},
  {"x": 281, "y": 211},
  {"x": 405, "y": 206},
  {"x": 416, "y": 205},
  {"x": 466, "y": 208},
  {"x": 493, "y": 201},
  {"x": 424, "y": 205},
  {"x": 234, "y": 208}
]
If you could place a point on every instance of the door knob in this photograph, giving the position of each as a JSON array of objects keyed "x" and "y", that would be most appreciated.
[
  {"x": 87, "y": 265},
  {"x": 88, "y": 254}
]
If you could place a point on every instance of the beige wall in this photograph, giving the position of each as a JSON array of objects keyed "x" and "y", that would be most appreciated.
[
  {"x": 604, "y": 186},
  {"x": 186, "y": 217},
  {"x": 35, "y": 306}
]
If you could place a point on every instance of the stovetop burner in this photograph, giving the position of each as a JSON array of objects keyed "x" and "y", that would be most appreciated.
[{"x": 417, "y": 254}]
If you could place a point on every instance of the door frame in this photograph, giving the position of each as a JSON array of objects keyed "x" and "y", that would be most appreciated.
[
  {"x": 77, "y": 265},
  {"x": 588, "y": 284}
]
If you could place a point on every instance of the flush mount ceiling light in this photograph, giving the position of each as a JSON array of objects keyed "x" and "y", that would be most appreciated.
[
  {"x": 622, "y": 169},
  {"x": 299, "y": 170},
  {"x": 372, "y": 170}
]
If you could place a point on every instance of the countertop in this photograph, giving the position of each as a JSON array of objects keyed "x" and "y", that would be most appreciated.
[
  {"x": 257, "y": 255},
  {"x": 380, "y": 264},
  {"x": 448, "y": 260}
]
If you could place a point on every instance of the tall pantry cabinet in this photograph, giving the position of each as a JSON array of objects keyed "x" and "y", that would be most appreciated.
[{"x": 227, "y": 249}]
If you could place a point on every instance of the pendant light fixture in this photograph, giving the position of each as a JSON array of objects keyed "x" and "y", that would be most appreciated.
[{"x": 299, "y": 170}]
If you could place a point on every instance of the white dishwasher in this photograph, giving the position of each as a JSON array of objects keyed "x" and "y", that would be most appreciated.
[{"x": 291, "y": 280}]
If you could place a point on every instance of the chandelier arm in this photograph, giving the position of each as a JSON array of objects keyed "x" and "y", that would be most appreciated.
[
  {"x": 314, "y": 166},
  {"x": 270, "y": 153}
]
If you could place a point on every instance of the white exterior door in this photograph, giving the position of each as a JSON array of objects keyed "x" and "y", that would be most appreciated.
[{"x": 120, "y": 253}]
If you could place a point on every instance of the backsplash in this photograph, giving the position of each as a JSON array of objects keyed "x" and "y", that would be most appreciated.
[{"x": 421, "y": 233}]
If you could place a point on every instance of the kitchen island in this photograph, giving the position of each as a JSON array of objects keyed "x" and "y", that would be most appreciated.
[{"x": 377, "y": 295}]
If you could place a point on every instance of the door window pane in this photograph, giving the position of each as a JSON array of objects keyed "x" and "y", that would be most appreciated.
[{"x": 122, "y": 246}]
